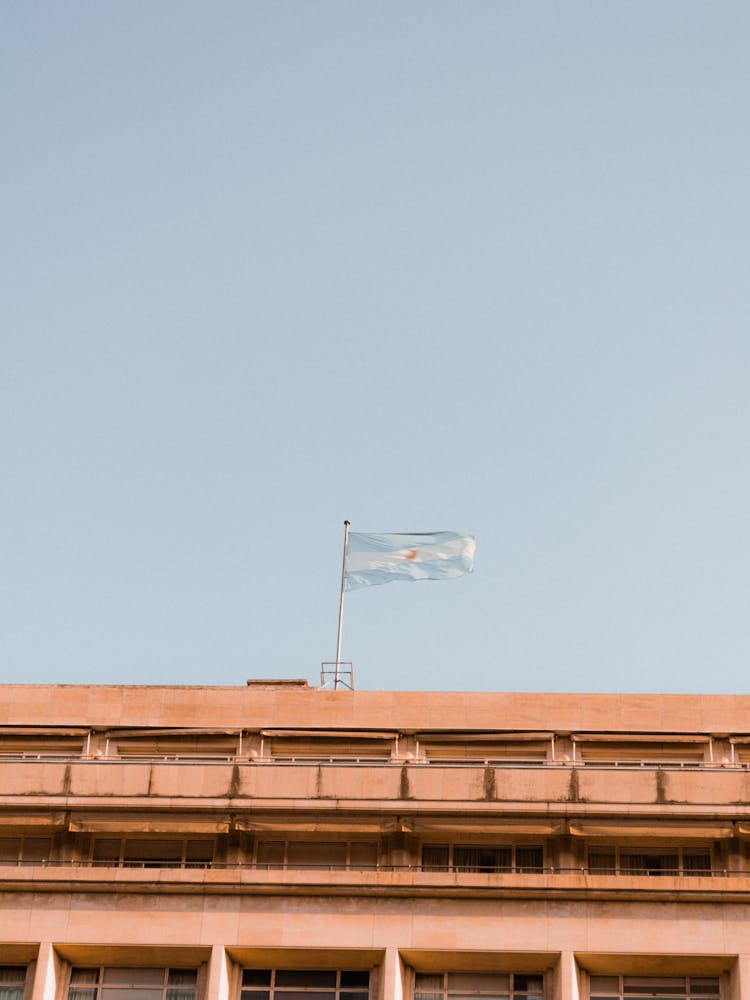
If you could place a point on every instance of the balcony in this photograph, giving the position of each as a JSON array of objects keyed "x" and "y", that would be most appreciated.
[
  {"x": 573, "y": 883},
  {"x": 473, "y": 787}
]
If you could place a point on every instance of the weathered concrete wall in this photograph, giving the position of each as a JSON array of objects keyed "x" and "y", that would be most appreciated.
[{"x": 252, "y": 707}]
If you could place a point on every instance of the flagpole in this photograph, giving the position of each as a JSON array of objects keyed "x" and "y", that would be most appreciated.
[{"x": 337, "y": 674}]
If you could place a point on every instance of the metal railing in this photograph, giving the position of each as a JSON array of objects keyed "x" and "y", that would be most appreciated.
[
  {"x": 377, "y": 761},
  {"x": 451, "y": 870}
]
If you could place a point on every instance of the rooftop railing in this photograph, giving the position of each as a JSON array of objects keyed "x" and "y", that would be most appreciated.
[
  {"x": 359, "y": 761},
  {"x": 380, "y": 867}
]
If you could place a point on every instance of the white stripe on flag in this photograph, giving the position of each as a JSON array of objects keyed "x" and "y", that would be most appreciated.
[{"x": 374, "y": 559}]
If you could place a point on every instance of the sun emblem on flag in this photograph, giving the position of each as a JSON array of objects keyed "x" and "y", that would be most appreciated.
[{"x": 410, "y": 554}]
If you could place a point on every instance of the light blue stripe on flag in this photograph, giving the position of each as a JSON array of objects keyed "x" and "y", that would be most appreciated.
[{"x": 382, "y": 558}]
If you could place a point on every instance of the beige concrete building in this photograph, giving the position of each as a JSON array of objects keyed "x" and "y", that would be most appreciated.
[{"x": 281, "y": 842}]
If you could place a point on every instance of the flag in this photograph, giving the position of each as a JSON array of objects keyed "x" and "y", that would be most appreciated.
[{"x": 381, "y": 558}]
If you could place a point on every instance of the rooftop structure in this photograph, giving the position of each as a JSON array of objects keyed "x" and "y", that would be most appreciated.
[{"x": 281, "y": 842}]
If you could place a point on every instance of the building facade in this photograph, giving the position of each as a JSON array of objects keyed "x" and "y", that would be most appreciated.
[{"x": 282, "y": 842}]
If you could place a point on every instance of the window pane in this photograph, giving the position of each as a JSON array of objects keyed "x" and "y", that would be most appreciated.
[
  {"x": 604, "y": 862},
  {"x": 12, "y": 974},
  {"x": 476, "y": 982},
  {"x": 528, "y": 984},
  {"x": 605, "y": 984},
  {"x": 503, "y": 859},
  {"x": 256, "y": 977},
  {"x": 486, "y": 995},
  {"x": 11, "y": 992},
  {"x": 654, "y": 986},
  {"x": 635, "y": 864},
  {"x": 131, "y": 993},
  {"x": 473, "y": 996},
  {"x": 429, "y": 983},
  {"x": 182, "y": 977},
  {"x": 307, "y": 979},
  {"x": 127, "y": 976},
  {"x": 36, "y": 849},
  {"x": 199, "y": 850},
  {"x": 696, "y": 862},
  {"x": 435, "y": 856},
  {"x": 84, "y": 976},
  {"x": 490, "y": 858},
  {"x": 10, "y": 848},
  {"x": 362, "y": 856},
  {"x": 12, "y": 979},
  {"x": 107, "y": 850},
  {"x": 467, "y": 859},
  {"x": 82, "y": 993},
  {"x": 360, "y": 980},
  {"x": 649, "y": 864},
  {"x": 289, "y": 994},
  {"x": 706, "y": 987},
  {"x": 478, "y": 858},
  {"x": 271, "y": 852},
  {"x": 530, "y": 859},
  {"x": 153, "y": 852},
  {"x": 315, "y": 853}
]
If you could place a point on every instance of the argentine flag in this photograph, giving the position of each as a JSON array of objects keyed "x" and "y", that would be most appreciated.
[{"x": 381, "y": 558}]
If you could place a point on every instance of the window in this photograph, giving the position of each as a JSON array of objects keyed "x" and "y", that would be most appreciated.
[
  {"x": 649, "y": 861},
  {"x": 117, "y": 983},
  {"x": 465, "y": 750},
  {"x": 477, "y": 986},
  {"x": 165, "y": 746},
  {"x": 672, "y": 987},
  {"x": 483, "y": 857},
  {"x": 12, "y": 982},
  {"x": 345, "y": 749},
  {"x": 40, "y": 745},
  {"x": 148, "y": 853},
  {"x": 304, "y": 984},
  {"x": 316, "y": 854},
  {"x": 641, "y": 752},
  {"x": 24, "y": 851}
]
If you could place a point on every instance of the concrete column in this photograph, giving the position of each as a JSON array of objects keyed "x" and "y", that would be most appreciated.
[
  {"x": 730, "y": 855},
  {"x": 401, "y": 850},
  {"x": 47, "y": 978},
  {"x": 392, "y": 976},
  {"x": 218, "y": 979},
  {"x": 568, "y": 853},
  {"x": 565, "y": 981},
  {"x": 739, "y": 979}
]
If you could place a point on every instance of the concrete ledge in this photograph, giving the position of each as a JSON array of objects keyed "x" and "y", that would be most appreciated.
[{"x": 570, "y": 885}]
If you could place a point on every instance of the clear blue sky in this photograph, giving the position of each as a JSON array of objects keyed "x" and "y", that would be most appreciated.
[{"x": 476, "y": 266}]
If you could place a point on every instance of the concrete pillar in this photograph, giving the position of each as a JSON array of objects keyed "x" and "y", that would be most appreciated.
[
  {"x": 219, "y": 974},
  {"x": 568, "y": 854},
  {"x": 739, "y": 979},
  {"x": 47, "y": 978},
  {"x": 565, "y": 981},
  {"x": 392, "y": 976},
  {"x": 730, "y": 855},
  {"x": 401, "y": 850}
]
